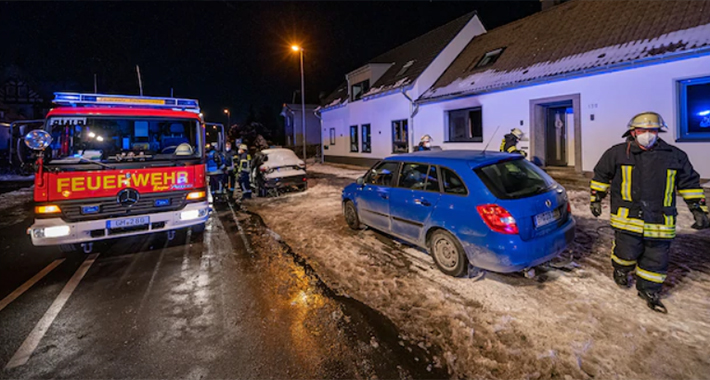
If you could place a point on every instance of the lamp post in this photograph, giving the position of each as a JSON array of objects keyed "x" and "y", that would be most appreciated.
[
  {"x": 303, "y": 101},
  {"x": 229, "y": 116}
]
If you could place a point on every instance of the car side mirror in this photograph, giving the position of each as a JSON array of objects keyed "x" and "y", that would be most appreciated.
[{"x": 361, "y": 181}]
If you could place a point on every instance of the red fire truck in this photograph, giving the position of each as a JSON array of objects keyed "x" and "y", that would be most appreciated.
[{"x": 111, "y": 166}]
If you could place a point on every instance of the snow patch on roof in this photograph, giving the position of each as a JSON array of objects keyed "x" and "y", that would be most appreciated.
[
  {"x": 666, "y": 44},
  {"x": 336, "y": 102},
  {"x": 398, "y": 84}
]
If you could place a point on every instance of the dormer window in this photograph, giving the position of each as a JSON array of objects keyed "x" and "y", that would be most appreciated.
[
  {"x": 489, "y": 58},
  {"x": 404, "y": 68},
  {"x": 359, "y": 89}
]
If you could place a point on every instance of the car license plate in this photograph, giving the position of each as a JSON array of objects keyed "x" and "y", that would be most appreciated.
[
  {"x": 546, "y": 218},
  {"x": 128, "y": 222}
]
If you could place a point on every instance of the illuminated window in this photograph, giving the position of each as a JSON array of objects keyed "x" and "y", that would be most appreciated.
[
  {"x": 694, "y": 106},
  {"x": 400, "y": 137},
  {"x": 353, "y": 139},
  {"x": 366, "y": 139}
]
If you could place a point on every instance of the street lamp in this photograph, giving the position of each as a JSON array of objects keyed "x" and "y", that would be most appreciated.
[
  {"x": 229, "y": 116},
  {"x": 303, "y": 101}
]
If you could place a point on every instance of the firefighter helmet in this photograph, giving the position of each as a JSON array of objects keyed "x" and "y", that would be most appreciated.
[
  {"x": 517, "y": 133},
  {"x": 426, "y": 138},
  {"x": 243, "y": 147},
  {"x": 646, "y": 120}
]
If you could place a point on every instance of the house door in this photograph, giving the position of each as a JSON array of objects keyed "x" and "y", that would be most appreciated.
[{"x": 556, "y": 136}]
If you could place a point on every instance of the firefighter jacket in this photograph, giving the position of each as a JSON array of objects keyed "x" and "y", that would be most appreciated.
[
  {"x": 643, "y": 184},
  {"x": 229, "y": 159},
  {"x": 244, "y": 162},
  {"x": 509, "y": 143}
]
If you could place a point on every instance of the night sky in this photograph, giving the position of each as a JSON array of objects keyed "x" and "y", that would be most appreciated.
[{"x": 226, "y": 54}]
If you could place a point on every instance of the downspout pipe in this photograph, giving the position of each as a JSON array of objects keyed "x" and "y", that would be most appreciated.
[
  {"x": 413, "y": 110},
  {"x": 320, "y": 130}
]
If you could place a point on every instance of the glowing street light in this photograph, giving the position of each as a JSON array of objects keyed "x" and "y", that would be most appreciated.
[
  {"x": 303, "y": 100},
  {"x": 229, "y": 116}
]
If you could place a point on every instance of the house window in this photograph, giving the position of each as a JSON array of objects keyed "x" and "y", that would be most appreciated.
[
  {"x": 359, "y": 89},
  {"x": 366, "y": 142},
  {"x": 354, "y": 145},
  {"x": 400, "y": 137},
  {"x": 488, "y": 59},
  {"x": 466, "y": 125},
  {"x": 694, "y": 109},
  {"x": 332, "y": 136}
]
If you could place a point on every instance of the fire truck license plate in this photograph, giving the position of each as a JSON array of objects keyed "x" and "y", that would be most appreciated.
[
  {"x": 546, "y": 218},
  {"x": 128, "y": 222}
]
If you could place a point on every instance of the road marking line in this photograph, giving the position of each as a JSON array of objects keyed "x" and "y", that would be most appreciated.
[
  {"x": 28, "y": 284},
  {"x": 32, "y": 341},
  {"x": 241, "y": 231}
]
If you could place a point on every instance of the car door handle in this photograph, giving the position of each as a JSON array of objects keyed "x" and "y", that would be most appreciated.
[
  {"x": 422, "y": 202},
  {"x": 384, "y": 196}
]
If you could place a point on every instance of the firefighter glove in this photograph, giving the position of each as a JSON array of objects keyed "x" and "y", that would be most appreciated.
[
  {"x": 701, "y": 219},
  {"x": 596, "y": 208}
]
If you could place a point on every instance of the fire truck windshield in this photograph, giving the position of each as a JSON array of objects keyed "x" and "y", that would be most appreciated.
[{"x": 113, "y": 139}]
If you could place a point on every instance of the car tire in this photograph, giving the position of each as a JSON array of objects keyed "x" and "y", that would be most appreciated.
[
  {"x": 304, "y": 187},
  {"x": 448, "y": 254},
  {"x": 351, "y": 216},
  {"x": 198, "y": 229}
]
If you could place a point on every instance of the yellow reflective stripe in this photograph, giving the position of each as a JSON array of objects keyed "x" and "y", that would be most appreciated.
[
  {"x": 511, "y": 149},
  {"x": 619, "y": 261},
  {"x": 599, "y": 186},
  {"x": 704, "y": 208},
  {"x": 594, "y": 198},
  {"x": 650, "y": 276},
  {"x": 621, "y": 221},
  {"x": 502, "y": 146},
  {"x": 692, "y": 193},
  {"x": 670, "y": 187},
  {"x": 626, "y": 182}
]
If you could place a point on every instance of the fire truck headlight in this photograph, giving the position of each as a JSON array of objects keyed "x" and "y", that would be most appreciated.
[
  {"x": 193, "y": 214},
  {"x": 38, "y": 139},
  {"x": 51, "y": 232}
]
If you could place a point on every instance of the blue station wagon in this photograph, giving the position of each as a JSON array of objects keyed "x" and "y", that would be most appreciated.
[{"x": 494, "y": 211}]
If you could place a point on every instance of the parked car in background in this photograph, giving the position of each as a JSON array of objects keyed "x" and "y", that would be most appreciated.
[
  {"x": 496, "y": 211},
  {"x": 276, "y": 170}
]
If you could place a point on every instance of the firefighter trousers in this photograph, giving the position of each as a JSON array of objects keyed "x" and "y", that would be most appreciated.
[{"x": 648, "y": 256}]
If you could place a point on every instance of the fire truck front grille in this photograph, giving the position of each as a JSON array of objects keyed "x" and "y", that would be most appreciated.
[{"x": 76, "y": 211}]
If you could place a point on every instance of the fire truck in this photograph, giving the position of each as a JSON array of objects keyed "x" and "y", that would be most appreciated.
[{"x": 110, "y": 166}]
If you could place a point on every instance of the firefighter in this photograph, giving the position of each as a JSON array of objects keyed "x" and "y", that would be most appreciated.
[
  {"x": 244, "y": 169},
  {"x": 229, "y": 179},
  {"x": 642, "y": 175},
  {"x": 510, "y": 142},
  {"x": 424, "y": 143},
  {"x": 215, "y": 170}
]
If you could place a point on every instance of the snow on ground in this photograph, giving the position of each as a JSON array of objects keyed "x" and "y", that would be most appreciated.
[
  {"x": 574, "y": 324},
  {"x": 9, "y": 214}
]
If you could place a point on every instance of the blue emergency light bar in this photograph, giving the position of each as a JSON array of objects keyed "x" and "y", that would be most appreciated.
[{"x": 77, "y": 99}]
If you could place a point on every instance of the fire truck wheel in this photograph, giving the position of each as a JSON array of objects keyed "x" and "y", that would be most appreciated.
[
  {"x": 69, "y": 248},
  {"x": 198, "y": 229}
]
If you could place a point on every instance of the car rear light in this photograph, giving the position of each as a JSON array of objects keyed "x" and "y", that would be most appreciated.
[
  {"x": 262, "y": 169},
  {"x": 196, "y": 195},
  {"x": 569, "y": 208},
  {"x": 49, "y": 209},
  {"x": 498, "y": 219}
]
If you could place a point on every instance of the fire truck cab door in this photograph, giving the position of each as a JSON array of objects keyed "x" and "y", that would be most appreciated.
[
  {"x": 220, "y": 138},
  {"x": 18, "y": 152}
]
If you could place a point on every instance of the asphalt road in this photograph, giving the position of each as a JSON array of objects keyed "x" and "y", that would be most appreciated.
[{"x": 229, "y": 303}]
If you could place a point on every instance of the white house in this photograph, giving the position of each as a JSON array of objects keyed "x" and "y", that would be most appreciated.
[
  {"x": 372, "y": 114},
  {"x": 572, "y": 77}
]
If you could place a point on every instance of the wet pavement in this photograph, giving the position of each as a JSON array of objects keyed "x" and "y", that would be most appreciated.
[{"x": 230, "y": 303}]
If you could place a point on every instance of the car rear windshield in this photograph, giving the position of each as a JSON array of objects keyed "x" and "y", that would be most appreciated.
[{"x": 514, "y": 179}]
